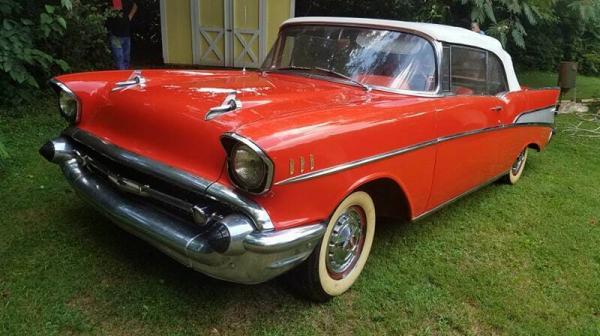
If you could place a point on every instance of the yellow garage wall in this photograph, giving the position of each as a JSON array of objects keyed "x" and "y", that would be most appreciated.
[
  {"x": 176, "y": 21},
  {"x": 277, "y": 12},
  {"x": 179, "y": 31}
]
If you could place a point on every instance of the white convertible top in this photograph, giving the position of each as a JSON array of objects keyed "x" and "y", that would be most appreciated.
[{"x": 437, "y": 32}]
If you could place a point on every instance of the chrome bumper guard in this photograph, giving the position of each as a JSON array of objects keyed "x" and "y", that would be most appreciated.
[{"x": 253, "y": 255}]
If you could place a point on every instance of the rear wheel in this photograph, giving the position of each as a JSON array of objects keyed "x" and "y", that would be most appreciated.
[
  {"x": 338, "y": 261},
  {"x": 515, "y": 172}
]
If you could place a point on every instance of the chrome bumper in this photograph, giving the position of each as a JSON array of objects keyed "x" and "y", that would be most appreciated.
[{"x": 256, "y": 256}]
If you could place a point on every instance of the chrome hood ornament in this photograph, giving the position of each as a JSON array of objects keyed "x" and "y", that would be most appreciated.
[
  {"x": 135, "y": 79},
  {"x": 230, "y": 103}
]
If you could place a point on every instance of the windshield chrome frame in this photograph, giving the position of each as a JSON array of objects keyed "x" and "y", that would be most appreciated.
[{"x": 435, "y": 44}]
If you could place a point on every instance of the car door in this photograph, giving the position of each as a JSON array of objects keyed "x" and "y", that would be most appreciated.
[{"x": 466, "y": 125}]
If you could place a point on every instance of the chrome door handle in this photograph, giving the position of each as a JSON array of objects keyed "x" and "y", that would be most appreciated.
[{"x": 497, "y": 108}]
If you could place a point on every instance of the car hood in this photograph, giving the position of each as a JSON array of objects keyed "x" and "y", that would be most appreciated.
[{"x": 163, "y": 117}]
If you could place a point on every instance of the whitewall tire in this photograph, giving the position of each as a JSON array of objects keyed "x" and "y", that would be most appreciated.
[
  {"x": 515, "y": 172},
  {"x": 336, "y": 263}
]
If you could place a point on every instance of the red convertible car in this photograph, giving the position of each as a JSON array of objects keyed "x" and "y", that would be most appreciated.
[{"x": 245, "y": 175}]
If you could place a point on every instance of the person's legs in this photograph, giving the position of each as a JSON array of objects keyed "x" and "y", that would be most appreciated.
[
  {"x": 126, "y": 43},
  {"x": 116, "y": 46}
]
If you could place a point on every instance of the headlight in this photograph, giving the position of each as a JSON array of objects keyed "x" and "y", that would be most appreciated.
[
  {"x": 68, "y": 106},
  {"x": 67, "y": 102},
  {"x": 249, "y": 168}
]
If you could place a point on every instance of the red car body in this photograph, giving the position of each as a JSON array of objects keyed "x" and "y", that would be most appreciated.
[
  {"x": 325, "y": 139},
  {"x": 335, "y": 123}
]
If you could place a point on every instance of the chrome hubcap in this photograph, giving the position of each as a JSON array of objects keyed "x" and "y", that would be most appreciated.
[
  {"x": 346, "y": 242},
  {"x": 519, "y": 163}
]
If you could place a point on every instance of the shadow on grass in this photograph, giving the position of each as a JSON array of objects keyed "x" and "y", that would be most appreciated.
[
  {"x": 123, "y": 273},
  {"x": 141, "y": 260}
]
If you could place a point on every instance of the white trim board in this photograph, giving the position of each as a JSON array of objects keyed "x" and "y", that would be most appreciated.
[
  {"x": 292, "y": 8},
  {"x": 164, "y": 35},
  {"x": 194, "y": 15}
]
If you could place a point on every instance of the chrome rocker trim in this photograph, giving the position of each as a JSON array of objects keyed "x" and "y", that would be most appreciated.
[{"x": 253, "y": 257}]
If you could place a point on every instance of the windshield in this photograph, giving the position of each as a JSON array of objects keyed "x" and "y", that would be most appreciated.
[{"x": 372, "y": 57}]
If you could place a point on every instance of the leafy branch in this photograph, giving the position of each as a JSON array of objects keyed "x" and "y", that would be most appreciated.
[{"x": 20, "y": 56}]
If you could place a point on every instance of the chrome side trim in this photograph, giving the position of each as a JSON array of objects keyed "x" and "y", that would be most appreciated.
[
  {"x": 173, "y": 175},
  {"x": 467, "y": 133},
  {"x": 265, "y": 158},
  {"x": 456, "y": 198},
  {"x": 403, "y": 150},
  {"x": 355, "y": 163}
]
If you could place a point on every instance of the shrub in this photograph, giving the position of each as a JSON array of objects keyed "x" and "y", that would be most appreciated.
[
  {"x": 84, "y": 44},
  {"x": 23, "y": 58},
  {"x": 39, "y": 40}
]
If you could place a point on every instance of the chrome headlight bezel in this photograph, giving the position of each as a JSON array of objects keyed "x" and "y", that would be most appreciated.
[
  {"x": 67, "y": 97},
  {"x": 234, "y": 143}
]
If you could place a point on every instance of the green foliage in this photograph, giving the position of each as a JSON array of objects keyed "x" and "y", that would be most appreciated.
[
  {"x": 84, "y": 44},
  {"x": 506, "y": 18},
  {"x": 569, "y": 31},
  {"x": 39, "y": 40},
  {"x": 17, "y": 40},
  {"x": 3, "y": 154},
  {"x": 22, "y": 55},
  {"x": 591, "y": 62},
  {"x": 386, "y": 9},
  {"x": 538, "y": 33}
]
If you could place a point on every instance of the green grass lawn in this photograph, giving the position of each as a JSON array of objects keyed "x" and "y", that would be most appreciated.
[
  {"x": 587, "y": 87},
  {"x": 517, "y": 260}
]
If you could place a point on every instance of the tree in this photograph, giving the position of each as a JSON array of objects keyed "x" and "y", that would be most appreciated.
[{"x": 506, "y": 17}]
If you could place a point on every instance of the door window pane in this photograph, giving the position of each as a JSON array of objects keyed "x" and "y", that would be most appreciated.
[
  {"x": 496, "y": 78},
  {"x": 468, "y": 68}
]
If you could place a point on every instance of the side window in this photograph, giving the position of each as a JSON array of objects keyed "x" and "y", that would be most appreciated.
[
  {"x": 468, "y": 71},
  {"x": 496, "y": 79}
]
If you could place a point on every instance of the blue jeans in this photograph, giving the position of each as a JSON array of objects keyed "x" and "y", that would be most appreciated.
[{"x": 121, "y": 47}]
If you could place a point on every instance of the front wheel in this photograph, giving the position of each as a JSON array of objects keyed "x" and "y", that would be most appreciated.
[
  {"x": 338, "y": 261},
  {"x": 515, "y": 172}
]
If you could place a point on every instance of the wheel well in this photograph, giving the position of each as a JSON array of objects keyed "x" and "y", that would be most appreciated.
[
  {"x": 389, "y": 198},
  {"x": 534, "y": 146}
]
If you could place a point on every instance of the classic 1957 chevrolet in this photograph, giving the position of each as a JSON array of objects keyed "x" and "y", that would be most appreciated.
[{"x": 244, "y": 175}]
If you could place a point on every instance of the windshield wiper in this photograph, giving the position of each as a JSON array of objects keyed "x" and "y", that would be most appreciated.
[
  {"x": 341, "y": 75},
  {"x": 328, "y": 71}
]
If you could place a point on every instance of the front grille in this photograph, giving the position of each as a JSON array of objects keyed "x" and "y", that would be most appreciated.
[{"x": 153, "y": 190}]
